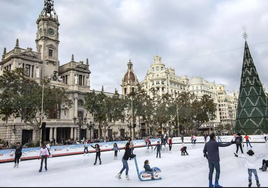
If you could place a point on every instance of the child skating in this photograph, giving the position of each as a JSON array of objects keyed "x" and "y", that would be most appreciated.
[
  {"x": 43, "y": 155},
  {"x": 158, "y": 148},
  {"x": 85, "y": 147},
  {"x": 251, "y": 166},
  {"x": 98, "y": 153},
  {"x": 184, "y": 151},
  {"x": 116, "y": 149}
]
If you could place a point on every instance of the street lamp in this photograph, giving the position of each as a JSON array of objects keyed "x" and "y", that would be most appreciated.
[
  {"x": 90, "y": 126},
  {"x": 80, "y": 123}
]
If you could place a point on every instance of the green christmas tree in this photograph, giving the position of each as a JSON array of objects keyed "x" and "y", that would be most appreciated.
[{"x": 252, "y": 109}]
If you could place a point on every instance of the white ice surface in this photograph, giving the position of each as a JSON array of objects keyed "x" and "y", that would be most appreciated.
[{"x": 177, "y": 170}]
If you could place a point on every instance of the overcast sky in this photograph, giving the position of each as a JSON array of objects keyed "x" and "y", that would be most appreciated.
[{"x": 196, "y": 37}]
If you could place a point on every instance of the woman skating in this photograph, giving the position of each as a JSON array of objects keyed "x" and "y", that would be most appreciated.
[
  {"x": 18, "y": 153},
  {"x": 43, "y": 155},
  {"x": 98, "y": 153}
]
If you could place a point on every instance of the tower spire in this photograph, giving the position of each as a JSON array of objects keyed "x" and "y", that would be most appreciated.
[
  {"x": 17, "y": 43},
  {"x": 72, "y": 59}
]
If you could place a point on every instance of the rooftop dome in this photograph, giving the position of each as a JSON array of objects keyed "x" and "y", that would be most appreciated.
[{"x": 129, "y": 76}]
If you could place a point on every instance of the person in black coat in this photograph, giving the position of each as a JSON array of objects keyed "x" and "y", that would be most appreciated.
[
  {"x": 239, "y": 142},
  {"x": 211, "y": 152},
  {"x": 98, "y": 153},
  {"x": 125, "y": 158},
  {"x": 18, "y": 153}
]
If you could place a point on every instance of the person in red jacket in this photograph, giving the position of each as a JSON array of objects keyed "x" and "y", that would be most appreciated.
[{"x": 170, "y": 143}]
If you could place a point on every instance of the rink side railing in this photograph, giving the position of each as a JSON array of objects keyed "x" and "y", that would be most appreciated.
[{"x": 7, "y": 155}]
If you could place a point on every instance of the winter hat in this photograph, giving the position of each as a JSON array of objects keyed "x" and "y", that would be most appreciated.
[{"x": 250, "y": 152}]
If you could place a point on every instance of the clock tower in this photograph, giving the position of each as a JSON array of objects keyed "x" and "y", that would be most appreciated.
[{"x": 47, "y": 39}]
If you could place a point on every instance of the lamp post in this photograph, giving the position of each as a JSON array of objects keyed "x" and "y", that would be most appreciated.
[
  {"x": 90, "y": 126},
  {"x": 42, "y": 114},
  {"x": 79, "y": 123}
]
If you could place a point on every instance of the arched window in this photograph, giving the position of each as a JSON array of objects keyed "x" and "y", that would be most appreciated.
[{"x": 80, "y": 103}]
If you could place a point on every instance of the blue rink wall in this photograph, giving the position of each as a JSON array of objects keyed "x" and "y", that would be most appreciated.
[{"x": 8, "y": 155}]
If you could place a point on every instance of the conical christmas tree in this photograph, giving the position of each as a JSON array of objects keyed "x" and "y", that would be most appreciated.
[{"x": 252, "y": 109}]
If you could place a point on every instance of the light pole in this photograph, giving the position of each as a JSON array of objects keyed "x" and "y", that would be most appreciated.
[
  {"x": 79, "y": 123},
  {"x": 42, "y": 113},
  {"x": 90, "y": 126}
]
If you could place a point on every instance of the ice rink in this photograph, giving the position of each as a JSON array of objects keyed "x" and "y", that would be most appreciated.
[{"x": 177, "y": 170}]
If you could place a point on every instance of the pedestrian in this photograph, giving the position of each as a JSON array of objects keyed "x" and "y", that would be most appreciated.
[
  {"x": 116, "y": 149},
  {"x": 18, "y": 153},
  {"x": 158, "y": 148},
  {"x": 43, "y": 155},
  {"x": 239, "y": 142},
  {"x": 247, "y": 140},
  {"x": 170, "y": 143},
  {"x": 211, "y": 152},
  {"x": 85, "y": 147},
  {"x": 148, "y": 169},
  {"x": 98, "y": 153},
  {"x": 125, "y": 158},
  {"x": 149, "y": 143},
  {"x": 251, "y": 166}
]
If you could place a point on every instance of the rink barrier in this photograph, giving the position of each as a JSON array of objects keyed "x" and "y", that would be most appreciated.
[{"x": 7, "y": 155}]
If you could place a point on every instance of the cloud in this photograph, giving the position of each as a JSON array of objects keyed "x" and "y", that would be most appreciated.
[{"x": 197, "y": 38}]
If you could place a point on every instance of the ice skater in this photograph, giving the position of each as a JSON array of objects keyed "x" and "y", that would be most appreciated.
[
  {"x": 125, "y": 158},
  {"x": 85, "y": 147},
  {"x": 44, "y": 155},
  {"x": 239, "y": 142},
  {"x": 194, "y": 139},
  {"x": 170, "y": 144},
  {"x": 251, "y": 166},
  {"x": 18, "y": 153},
  {"x": 149, "y": 143},
  {"x": 158, "y": 148},
  {"x": 48, "y": 147},
  {"x": 148, "y": 169},
  {"x": 247, "y": 140},
  {"x": 131, "y": 145},
  {"x": 211, "y": 152},
  {"x": 265, "y": 137},
  {"x": 264, "y": 165},
  {"x": 184, "y": 150},
  {"x": 98, "y": 153},
  {"x": 116, "y": 149}
]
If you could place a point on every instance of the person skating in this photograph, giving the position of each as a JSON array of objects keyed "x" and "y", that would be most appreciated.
[
  {"x": 85, "y": 147},
  {"x": 239, "y": 142},
  {"x": 148, "y": 169},
  {"x": 170, "y": 143},
  {"x": 184, "y": 151},
  {"x": 247, "y": 140},
  {"x": 98, "y": 153},
  {"x": 211, "y": 152},
  {"x": 158, "y": 148},
  {"x": 125, "y": 158},
  {"x": 116, "y": 149},
  {"x": 18, "y": 153},
  {"x": 48, "y": 147},
  {"x": 251, "y": 166},
  {"x": 264, "y": 165},
  {"x": 43, "y": 155},
  {"x": 148, "y": 141}
]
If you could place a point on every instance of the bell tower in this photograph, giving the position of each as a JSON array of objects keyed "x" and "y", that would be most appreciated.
[{"x": 47, "y": 38}]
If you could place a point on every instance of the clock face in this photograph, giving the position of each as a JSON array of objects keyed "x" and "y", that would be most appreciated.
[{"x": 50, "y": 31}]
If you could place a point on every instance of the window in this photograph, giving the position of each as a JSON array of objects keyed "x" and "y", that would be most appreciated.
[
  {"x": 157, "y": 68},
  {"x": 27, "y": 70},
  {"x": 80, "y": 80},
  {"x": 50, "y": 52},
  {"x": 80, "y": 103},
  {"x": 157, "y": 82}
]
